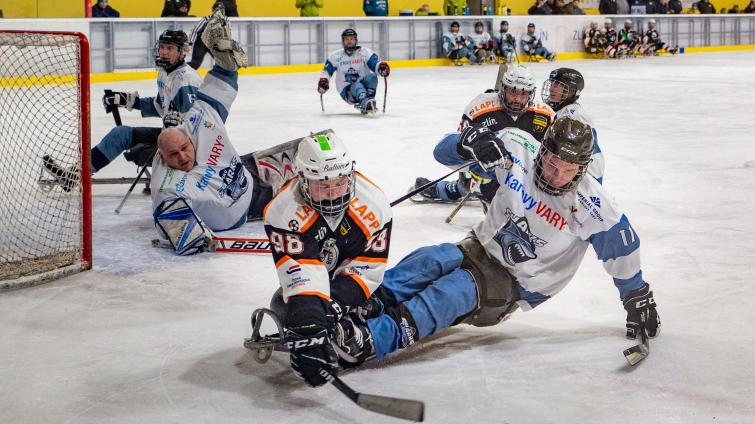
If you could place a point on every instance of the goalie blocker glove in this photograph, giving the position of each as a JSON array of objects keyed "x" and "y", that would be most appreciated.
[
  {"x": 641, "y": 313},
  {"x": 480, "y": 144},
  {"x": 323, "y": 85},
  {"x": 383, "y": 69},
  {"x": 172, "y": 119},
  {"x": 121, "y": 99}
]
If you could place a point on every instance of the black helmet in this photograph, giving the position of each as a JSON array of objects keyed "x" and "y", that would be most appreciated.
[
  {"x": 454, "y": 24},
  {"x": 504, "y": 22},
  {"x": 530, "y": 25},
  {"x": 177, "y": 38},
  {"x": 571, "y": 141},
  {"x": 571, "y": 83},
  {"x": 348, "y": 32},
  {"x": 479, "y": 23}
]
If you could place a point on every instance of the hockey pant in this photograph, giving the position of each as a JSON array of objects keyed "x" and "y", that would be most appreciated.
[
  {"x": 540, "y": 51},
  {"x": 462, "y": 53},
  {"x": 433, "y": 288},
  {"x": 356, "y": 92},
  {"x": 118, "y": 140}
]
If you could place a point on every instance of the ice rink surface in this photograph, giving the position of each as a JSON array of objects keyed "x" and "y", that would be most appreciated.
[{"x": 148, "y": 337}]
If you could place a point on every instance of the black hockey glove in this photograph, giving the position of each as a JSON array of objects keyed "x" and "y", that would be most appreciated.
[
  {"x": 480, "y": 144},
  {"x": 641, "y": 313},
  {"x": 308, "y": 323},
  {"x": 172, "y": 119},
  {"x": 383, "y": 69},
  {"x": 116, "y": 98},
  {"x": 323, "y": 85}
]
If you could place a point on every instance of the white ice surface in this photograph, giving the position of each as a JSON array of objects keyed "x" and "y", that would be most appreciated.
[{"x": 147, "y": 337}]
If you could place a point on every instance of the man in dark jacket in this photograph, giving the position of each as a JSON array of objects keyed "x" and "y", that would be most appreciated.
[
  {"x": 706, "y": 7},
  {"x": 103, "y": 10},
  {"x": 230, "y": 8},
  {"x": 538, "y": 8},
  {"x": 179, "y": 8},
  {"x": 675, "y": 7},
  {"x": 607, "y": 7}
]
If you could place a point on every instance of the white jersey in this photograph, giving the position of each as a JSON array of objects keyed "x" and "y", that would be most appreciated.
[
  {"x": 597, "y": 167},
  {"x": 218, "y": 188},
  {"x": 479, "y": 40},
  {"x": 351, "y": 67},
  {"x": 541, "y": 239},
  {"x": 176, "y": 91}
]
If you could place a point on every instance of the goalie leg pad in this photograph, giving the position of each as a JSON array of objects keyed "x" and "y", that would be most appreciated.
[
  {"x": 496, "y": 289},
  {"x": 182, "y": 227}
]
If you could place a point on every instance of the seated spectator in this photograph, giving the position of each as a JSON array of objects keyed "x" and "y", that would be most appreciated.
[
  {"x": 657, "y": 7},
  {"x": 230, "y": 7},
  {"x": 734, "y": 9},
  {"x": 573, "y": 8},
  {"x": 722, "y": 11},
  {"x": 179, "y": 8},
  {"x": 532, "y": 45},
  {"x": 706, "y": 7},
  {"x": 375, "y": 7},
  {"x": 607, "y": 7},
  {"x": 456, "y": 45},
  {"x": 103, "y": 10},
  {"x": 538, "y": 8},
  {"x": 423, "y": 11},
  {"x": 750, "y": 7},
  {"x": 558, "y": 7},
  {"x": 309, "y": 7},
  {"x": 675, "y": 7}
]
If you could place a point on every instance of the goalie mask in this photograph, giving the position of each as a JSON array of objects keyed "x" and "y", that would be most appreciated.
[
  {"x": 326, "y": 173},
  {"x": 562, "y": 88},
  {"x": 564, "y": 155},
  {"x": 518, "y": 89},
  {"x": 170, "y": 49}
]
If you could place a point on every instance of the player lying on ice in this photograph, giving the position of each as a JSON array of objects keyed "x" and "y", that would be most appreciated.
[
  {"x": 356, "y": 67},
  {"x": 528, "y": 247}
]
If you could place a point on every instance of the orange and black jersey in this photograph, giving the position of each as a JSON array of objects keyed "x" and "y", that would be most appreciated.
[
  {"x": 486, "y": 109},
  {"x": 344, "y": 259}
]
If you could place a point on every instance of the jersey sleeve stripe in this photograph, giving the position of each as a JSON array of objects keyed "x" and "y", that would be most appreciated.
[
  {"x": 367, "y": 259},
  {"x": 360, "y": 224},
  {"x": 492, "y": 109}
]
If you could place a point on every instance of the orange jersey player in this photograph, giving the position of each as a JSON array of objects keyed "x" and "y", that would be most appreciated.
[{"x": 329, "y": 230}]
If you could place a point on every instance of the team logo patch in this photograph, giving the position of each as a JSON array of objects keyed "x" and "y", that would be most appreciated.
[
  {"x": 293, "y": 225},
  {"x": 344, "y": 228},
  {"x": 518, "y": 244},
  {"x": 595, "y": 200},
  {"x": 539, "y": 123},
  {"x": 235, "y": 183},
  {"x": 208, "y": 124},
  {"x": 329, "y": 254}
]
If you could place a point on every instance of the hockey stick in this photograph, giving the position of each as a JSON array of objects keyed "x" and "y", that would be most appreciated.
[
  {"x": 637, "y": 353},
  {"x": 407, "y": 409},
  {"x": 114, "y": 110},
  {"x": 428, "y": 184},
  {"x": 458, "y": 207},
  {"x": 229, "y": 244},
  {"x": 322, "y": 104},
  {"x": 385, "y": 92}
]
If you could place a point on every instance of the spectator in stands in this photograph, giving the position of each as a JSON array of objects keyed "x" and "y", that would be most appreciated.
[
  {"x": 309, "y": 7},
  {"x": 230, "y": 7},
  {"x": 423, "y": 11},
  {"x": 178, "y": 8},
  {"x": 706, "y": 7},
  {"x": 622, "y": 7},
  {"x": 454, "y": 7},
  {"x": 375, "y": 7},
  {"x": 734, "y": 9},
  {"x": 538, "y": 8},
  {"x": 573, "y": 8},
  {"x": 103, "y": 10},
  {"x": 675, "y": 7},
  {"x": 607, "y": 7},
  {"x": 658, "y": 7}
]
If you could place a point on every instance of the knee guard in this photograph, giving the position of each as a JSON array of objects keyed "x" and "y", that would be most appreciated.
[{"x": 496, "y": 289}]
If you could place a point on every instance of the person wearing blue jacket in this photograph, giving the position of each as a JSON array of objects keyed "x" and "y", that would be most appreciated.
[{"x": 376, "y": 7}]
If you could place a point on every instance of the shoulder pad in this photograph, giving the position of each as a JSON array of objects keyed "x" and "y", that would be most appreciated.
[
  {"x": 286, "y": 210},
  {"x": 483, "y": 103},
  {"x": 369, "y": 207}
]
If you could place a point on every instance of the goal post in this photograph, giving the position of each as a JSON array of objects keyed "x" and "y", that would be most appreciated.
[{"x": 45, "y": 225}]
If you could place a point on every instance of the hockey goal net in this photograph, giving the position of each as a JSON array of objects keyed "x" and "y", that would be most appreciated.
[{"x": 45, "y": 218}]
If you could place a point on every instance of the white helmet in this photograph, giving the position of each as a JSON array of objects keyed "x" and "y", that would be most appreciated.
[
  {"x": 517, "y": 80},
  {"x": 324, "y": 157},
  {"x": 608, "y": 21}
]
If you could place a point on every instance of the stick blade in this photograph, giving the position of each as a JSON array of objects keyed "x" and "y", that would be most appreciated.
[
  {"x": 635, "y": 354},
  {"x": 407, "y": 409}
]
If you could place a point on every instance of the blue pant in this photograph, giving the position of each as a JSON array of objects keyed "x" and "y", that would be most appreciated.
[
  {"x": 433, "y": 287},
  {"x": 356, "y": 92}
]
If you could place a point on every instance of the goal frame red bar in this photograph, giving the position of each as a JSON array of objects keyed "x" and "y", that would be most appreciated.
[{"x": 85, "y": 125}]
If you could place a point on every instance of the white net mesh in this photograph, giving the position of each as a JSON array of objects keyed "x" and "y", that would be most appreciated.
[{"x": 41, "y": 223}]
